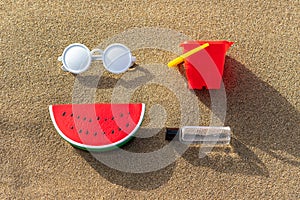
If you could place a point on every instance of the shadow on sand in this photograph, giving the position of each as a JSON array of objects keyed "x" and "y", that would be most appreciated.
[
  {"x": 135, "y": 181},
  {"x": 259, "y": 116},
  {"x": 106, "y": 82}
]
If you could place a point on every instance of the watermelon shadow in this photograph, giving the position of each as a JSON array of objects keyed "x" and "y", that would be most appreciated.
[
  {"x": 134, "y": 181},
  {"x": 108, "y": 80},
  {"x": 260, "y": 117}
]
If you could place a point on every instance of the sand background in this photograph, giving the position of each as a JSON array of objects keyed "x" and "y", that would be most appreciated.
[{"x": 262, "y": 86}]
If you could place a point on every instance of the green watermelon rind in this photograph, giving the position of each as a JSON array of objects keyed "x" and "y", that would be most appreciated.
[{"x": 112, "y": 146}]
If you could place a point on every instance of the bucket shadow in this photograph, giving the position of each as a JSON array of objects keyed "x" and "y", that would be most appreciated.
[
  {"x": 259, "y": 116},
  {"x": 135, "y": 181}
]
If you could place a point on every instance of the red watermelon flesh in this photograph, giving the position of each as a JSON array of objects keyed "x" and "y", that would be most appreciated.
[{"x": 97, "y": 126}]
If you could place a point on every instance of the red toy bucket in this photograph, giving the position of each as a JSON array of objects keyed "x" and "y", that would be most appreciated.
[{"x": 205, "y": 68}]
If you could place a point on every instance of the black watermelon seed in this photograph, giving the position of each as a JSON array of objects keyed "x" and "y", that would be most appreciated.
[
  {"x": 127, "y": 124},
  {"x": 121, "y": 115},
  {"x": 119, "y": 129},
  {"x": 87, "y": 132},
  {"x": 72, "y": 127},
  {"x": 98, "y": 118},
  {"x": 112, "y": 132},
  {"x": 112, "y": 118},
  {"x": 72, "y": 115},
  {"x": 90, "y": 120},
  {"x": 64, "y": 113},
  {"x": 80, "y": 131},
  {"x": 84, "y": 118},
  {"x": 104, "y": 133},
  {"x": 95, "y": 133},
  {"x": 78, "y": 117}
]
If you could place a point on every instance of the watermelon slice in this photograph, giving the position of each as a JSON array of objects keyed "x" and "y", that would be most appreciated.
[{"x": 97, "y": 127}]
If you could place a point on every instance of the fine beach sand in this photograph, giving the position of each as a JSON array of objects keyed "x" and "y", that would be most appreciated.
[{"x": 262, "y": 88}]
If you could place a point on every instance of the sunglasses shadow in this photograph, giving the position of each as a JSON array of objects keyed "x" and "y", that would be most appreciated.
[{"x": 108, "y": 80}]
